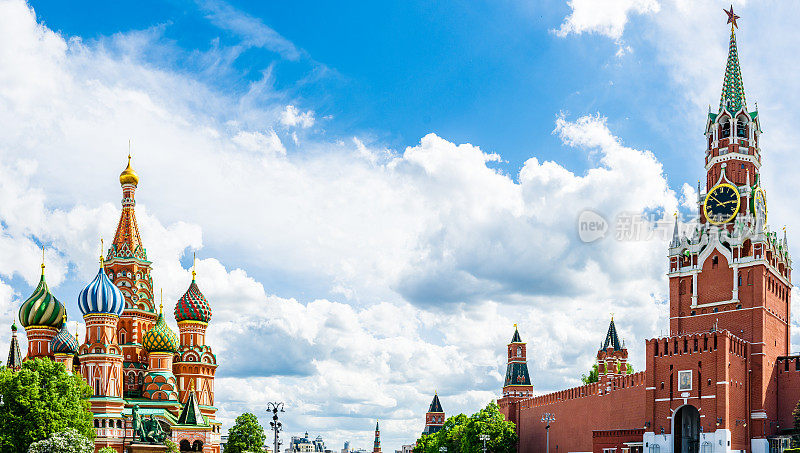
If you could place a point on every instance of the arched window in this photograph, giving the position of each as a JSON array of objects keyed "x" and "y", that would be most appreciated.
[
  {"x": 519, "y": 351},
  {"x": 714, "y": 262},
  {"x": 726, "y": 128}
]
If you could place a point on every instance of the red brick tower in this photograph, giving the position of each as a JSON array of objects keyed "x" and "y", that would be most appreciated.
[
  {"x": 376, "y": 448},
  {"x": 195, "y": 363},
  {"x": 518, "y": 382},
  {"x": 729, "y": 285},
  {"x": 434, "y": 418},
  {"x": 612, "y": 358},
  {"x": 127, "y": 266}
]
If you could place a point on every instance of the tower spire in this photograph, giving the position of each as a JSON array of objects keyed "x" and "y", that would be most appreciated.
[{"x": 732, "y": 97}]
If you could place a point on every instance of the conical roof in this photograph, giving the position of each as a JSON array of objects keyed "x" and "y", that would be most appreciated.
[
  {"x": 14, "y": 356},
  {"x": 612, "y": 339},
  {"x": 732, "y": 98},
  {"x": 436, "y": 406},
  {"x": 516, "y": 338},
  {"x": 190, "y": 415}
]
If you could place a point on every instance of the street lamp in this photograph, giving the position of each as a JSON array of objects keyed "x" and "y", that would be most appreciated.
[
  {"x": 548, "y": 418},
  {"x": 276, "y": 426},
  {"x": 484, "y": 438}
]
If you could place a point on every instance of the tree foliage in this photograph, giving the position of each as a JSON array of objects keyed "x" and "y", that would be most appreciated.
[
  {"x": 246, "y": 435},
  {"x": 40, "y": 400},
  {"x": 107, "y": 450},
  {"x": 67, "y": 441},
  {"x": 461, "y": 434},
  {"x": 171, "y": 447},
  {"x": 594, "y": 377}
]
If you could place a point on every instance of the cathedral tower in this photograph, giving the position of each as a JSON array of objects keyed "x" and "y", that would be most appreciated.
[
  {"x": 196, "y": 363},
  {"x": 127, "y": 266},
  {"x": 101, "y": 304},
  {"x": 14, "y": 361},
  {"x": 41, "y": 315},
  {"x": 161, "y": 344}
]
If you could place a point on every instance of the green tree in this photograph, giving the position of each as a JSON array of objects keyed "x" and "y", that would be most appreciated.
[
  {"x": 246, "y": 435},
  {"x": 67, "y": 441},
  {"x": 40, "y": 400},
  {"x": 461, "y": 434},
  {"x": 594, "y": 377},
  {"x": 107, "y": 450},
  {"x": 171, "y": 447}
]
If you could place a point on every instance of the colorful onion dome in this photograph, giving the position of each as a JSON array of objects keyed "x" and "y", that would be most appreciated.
[
  {"x": 193, "y": 306},
  {"x": 101, "y": 296},
  {"x": 128, "y": 176},
  {"x": 42, "y": 308},
  {"x": 63, "y": 342},
  {"x": 160, "y": 338}
]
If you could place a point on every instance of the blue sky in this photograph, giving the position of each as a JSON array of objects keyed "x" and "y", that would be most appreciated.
[
  {"x": 376, "y": 192},
  {"x": 488, "y": 73}
]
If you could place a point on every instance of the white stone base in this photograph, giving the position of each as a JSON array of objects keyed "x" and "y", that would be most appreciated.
[{"x": 719, "y": 441}]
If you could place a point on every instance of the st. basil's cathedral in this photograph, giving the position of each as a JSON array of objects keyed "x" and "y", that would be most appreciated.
[{"x": 130, "y": 357}]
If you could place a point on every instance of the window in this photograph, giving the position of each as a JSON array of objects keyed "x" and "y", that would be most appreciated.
[
  {"x": 519, "y": 351},
  {"x": 655, "y": 448},
  {"x": 122, "y": 338},
  {"x": 706, "y": 447},
  {"x": 714, "y": 262}
]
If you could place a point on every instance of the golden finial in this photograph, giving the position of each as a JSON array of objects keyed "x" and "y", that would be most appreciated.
[
  {"x": 161, "y": 305},
  {"x": 101, "y": 252},
  {"x": 515, "y": 326},
  {"x": 612, "y": 317},
  {"x": 194, "y": 265},
  {"x": 128, "y": 176},
  {"x": 42, "y": 260}
]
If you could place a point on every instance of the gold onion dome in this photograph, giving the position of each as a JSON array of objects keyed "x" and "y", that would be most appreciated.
[
  {"x": 41, "y": 308},
  {"x": 128, "y": 176},
  {"x": 160, "y": 338}
]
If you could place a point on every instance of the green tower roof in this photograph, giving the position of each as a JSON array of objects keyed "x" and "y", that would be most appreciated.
[{"x": 732, "y": 98}]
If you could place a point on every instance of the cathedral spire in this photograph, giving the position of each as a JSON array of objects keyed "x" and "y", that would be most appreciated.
[
  {"x": 14, "y": 356},
  {"x": 376, "y": 447},
  {"x": 732, "y": 97},
  {"x": 127, "y": 242},
  {"x": 612, "y": 339}
]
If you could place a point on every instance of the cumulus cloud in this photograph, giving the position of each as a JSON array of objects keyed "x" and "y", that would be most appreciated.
[
  {"x": 349, "y": 280},
  {"x": 604, "y": 17}
]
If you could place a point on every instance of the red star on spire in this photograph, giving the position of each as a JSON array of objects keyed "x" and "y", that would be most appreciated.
[{"x": 731, "y": 17}]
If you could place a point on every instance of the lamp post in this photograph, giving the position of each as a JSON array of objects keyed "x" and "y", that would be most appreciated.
[
  {"x": 484, "y": 438},
  {"x": 548, "y": 418},
  {"x": 276, "y": 426}
]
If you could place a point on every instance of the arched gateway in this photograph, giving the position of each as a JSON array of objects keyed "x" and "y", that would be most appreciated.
[{"x": 686, "y": 429}]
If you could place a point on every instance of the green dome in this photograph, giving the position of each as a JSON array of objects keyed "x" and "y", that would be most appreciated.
[
  {"x": 160, "y": 338},
  {"x": 41, "y": 308}
]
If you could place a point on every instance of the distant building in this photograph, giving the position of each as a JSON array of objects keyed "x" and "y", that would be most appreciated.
[
  {"x": 346, "y": 448},
  {"x": 407, "y": 448},
  {"x": 434, "y": 418}
]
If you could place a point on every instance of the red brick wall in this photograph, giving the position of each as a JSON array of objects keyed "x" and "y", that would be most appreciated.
[
  {"x": 615, "y": 439},
  {"x": 788, "y": 389},
  {"x": 578, "y": 412}
]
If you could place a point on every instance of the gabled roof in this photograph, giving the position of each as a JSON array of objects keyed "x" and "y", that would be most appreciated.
[
  {"x": 612, "y": 339},
  {"x": 436, "y": 406},
  {"x": 516, "y": 338},
  {"x": 190, "y": 415}
]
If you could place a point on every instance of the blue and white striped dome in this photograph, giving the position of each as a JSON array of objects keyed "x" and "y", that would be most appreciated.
[{"x": 101, "y": 296}]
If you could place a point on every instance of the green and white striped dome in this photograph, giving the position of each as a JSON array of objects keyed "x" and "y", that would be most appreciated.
[{"x": 41, "y": 308}]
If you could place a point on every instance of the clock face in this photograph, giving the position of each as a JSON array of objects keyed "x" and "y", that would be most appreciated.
[
  {"x": 760, "y": 205},
  {"x": 721, "y": 204}
]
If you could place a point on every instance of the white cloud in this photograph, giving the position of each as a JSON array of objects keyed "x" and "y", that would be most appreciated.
[
  {"x": 292, "y": 117},
  {"x": 605, "y": 17},
  {"x": 347, "y": 279}
]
